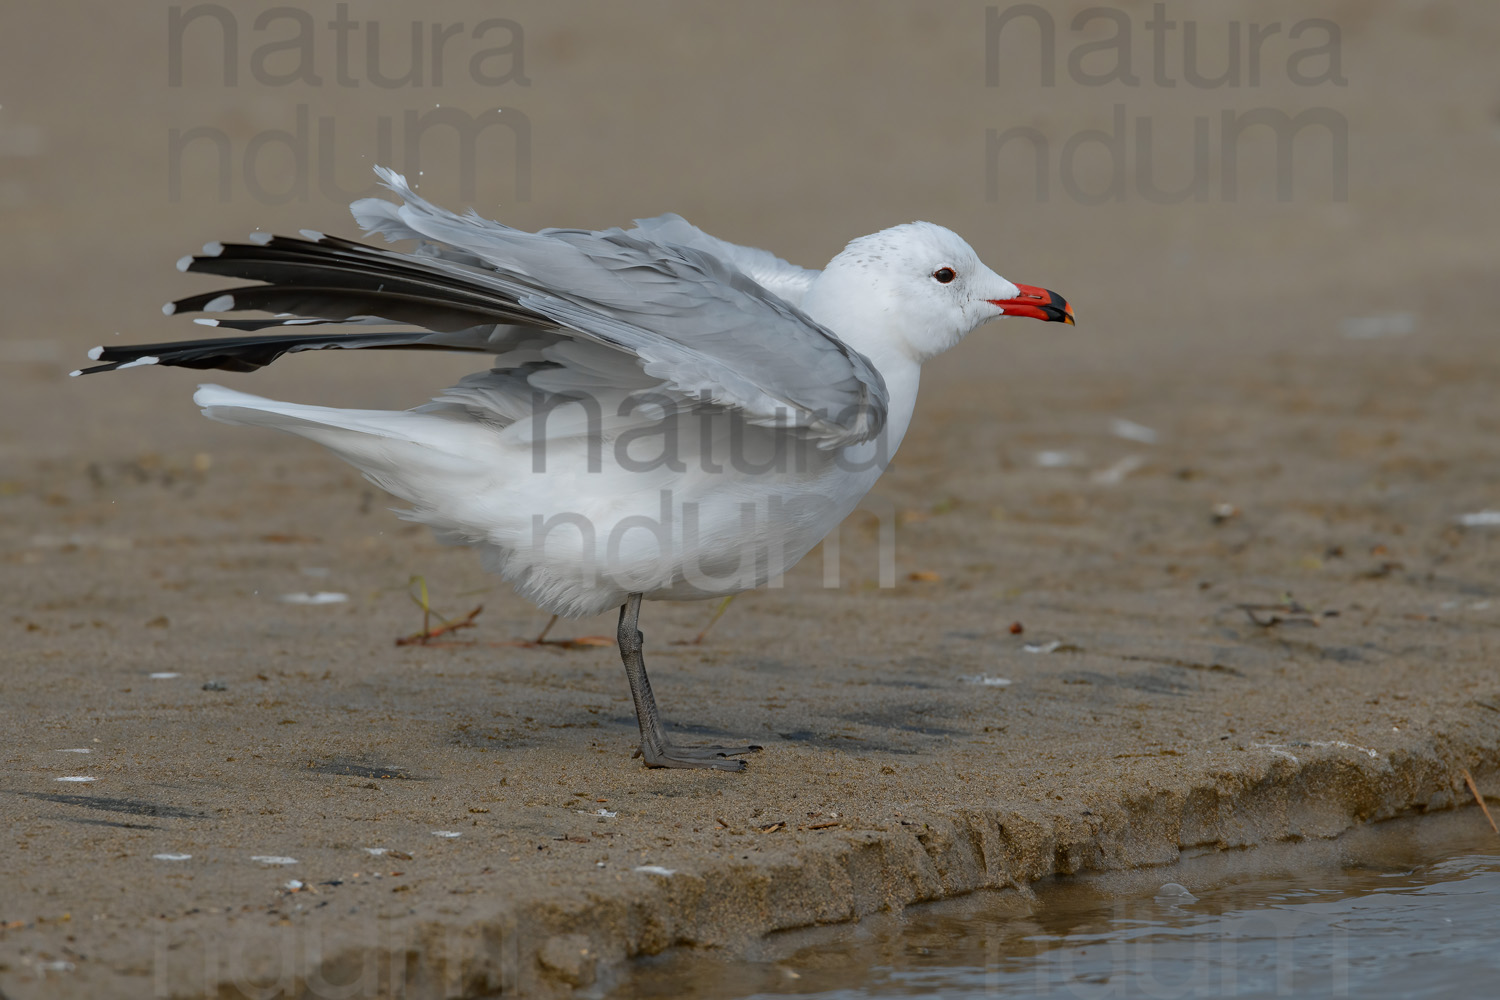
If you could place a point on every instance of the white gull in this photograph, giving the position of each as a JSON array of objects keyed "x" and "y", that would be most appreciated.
[{"x": 668, "y": 416}]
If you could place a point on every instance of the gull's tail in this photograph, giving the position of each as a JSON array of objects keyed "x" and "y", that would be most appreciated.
[{"x": 419, "y": 457}]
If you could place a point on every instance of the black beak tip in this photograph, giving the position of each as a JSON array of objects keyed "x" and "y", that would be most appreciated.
[{"x": 1059, "y": 311}]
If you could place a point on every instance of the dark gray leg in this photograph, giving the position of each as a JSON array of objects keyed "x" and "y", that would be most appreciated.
[{"x": 655, "y": 747}]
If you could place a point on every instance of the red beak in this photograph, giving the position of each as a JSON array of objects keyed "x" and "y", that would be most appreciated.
[{"x": 1037, "y": 303}]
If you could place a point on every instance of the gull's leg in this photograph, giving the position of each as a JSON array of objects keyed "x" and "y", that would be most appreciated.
[
  {"x": 548, "y": 628},
  {"x": 655, "y": 747}
]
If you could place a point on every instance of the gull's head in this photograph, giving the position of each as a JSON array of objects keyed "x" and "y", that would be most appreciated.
[{"x": 922, "y": 288}]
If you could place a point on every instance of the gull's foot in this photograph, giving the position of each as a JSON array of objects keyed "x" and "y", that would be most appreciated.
[{"x": 715, "y": 757}]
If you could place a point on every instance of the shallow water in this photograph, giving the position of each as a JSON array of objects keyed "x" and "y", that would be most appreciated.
[{"x": 1399, "y": 910}]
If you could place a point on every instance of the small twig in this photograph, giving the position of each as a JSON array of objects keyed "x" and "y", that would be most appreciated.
[
  {"x": 427, "y": 634},
  {"x": 1469, "y": 778},
  {"x": 578, "y": 642},
  {"x": 698, "y": 641},
  {"x": 421, "y": 582},
  {"x": 575, "y": 643}
]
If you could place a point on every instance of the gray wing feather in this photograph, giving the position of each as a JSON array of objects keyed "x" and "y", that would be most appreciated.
[{"x": 784, "y": 279}]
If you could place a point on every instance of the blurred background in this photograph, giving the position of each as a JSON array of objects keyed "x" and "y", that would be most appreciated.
[
  {"x": 130, "y": 134},
  {"x": 1284, "y": 205}
]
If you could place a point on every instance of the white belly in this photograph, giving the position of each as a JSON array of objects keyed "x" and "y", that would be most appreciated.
[{"x": 578, "y": 542}]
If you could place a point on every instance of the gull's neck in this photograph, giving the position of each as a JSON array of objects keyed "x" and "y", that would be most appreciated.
[{"x": 864, "y": 322}]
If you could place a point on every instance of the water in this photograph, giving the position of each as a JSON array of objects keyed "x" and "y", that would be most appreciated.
[{"x": 1402, "y": 910}]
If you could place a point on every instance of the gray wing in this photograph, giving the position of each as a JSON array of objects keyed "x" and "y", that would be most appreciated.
[
  {"x": 676, "y": 312},
  {"x": 693, "y": 320}
]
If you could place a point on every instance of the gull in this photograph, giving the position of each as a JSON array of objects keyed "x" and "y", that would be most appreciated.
[{"x": 667, "y": 416}]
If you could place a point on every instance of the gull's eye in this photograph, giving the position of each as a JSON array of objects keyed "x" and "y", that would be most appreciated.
[{"x": 944, "y": 275}]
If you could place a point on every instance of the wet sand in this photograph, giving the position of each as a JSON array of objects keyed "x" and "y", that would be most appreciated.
[{"x": 1267, "y": 624}]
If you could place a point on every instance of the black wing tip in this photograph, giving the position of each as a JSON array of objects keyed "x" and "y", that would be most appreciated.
[
  {"x": 318, "y": 281},
  {"x": 113, "y": 366}
]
